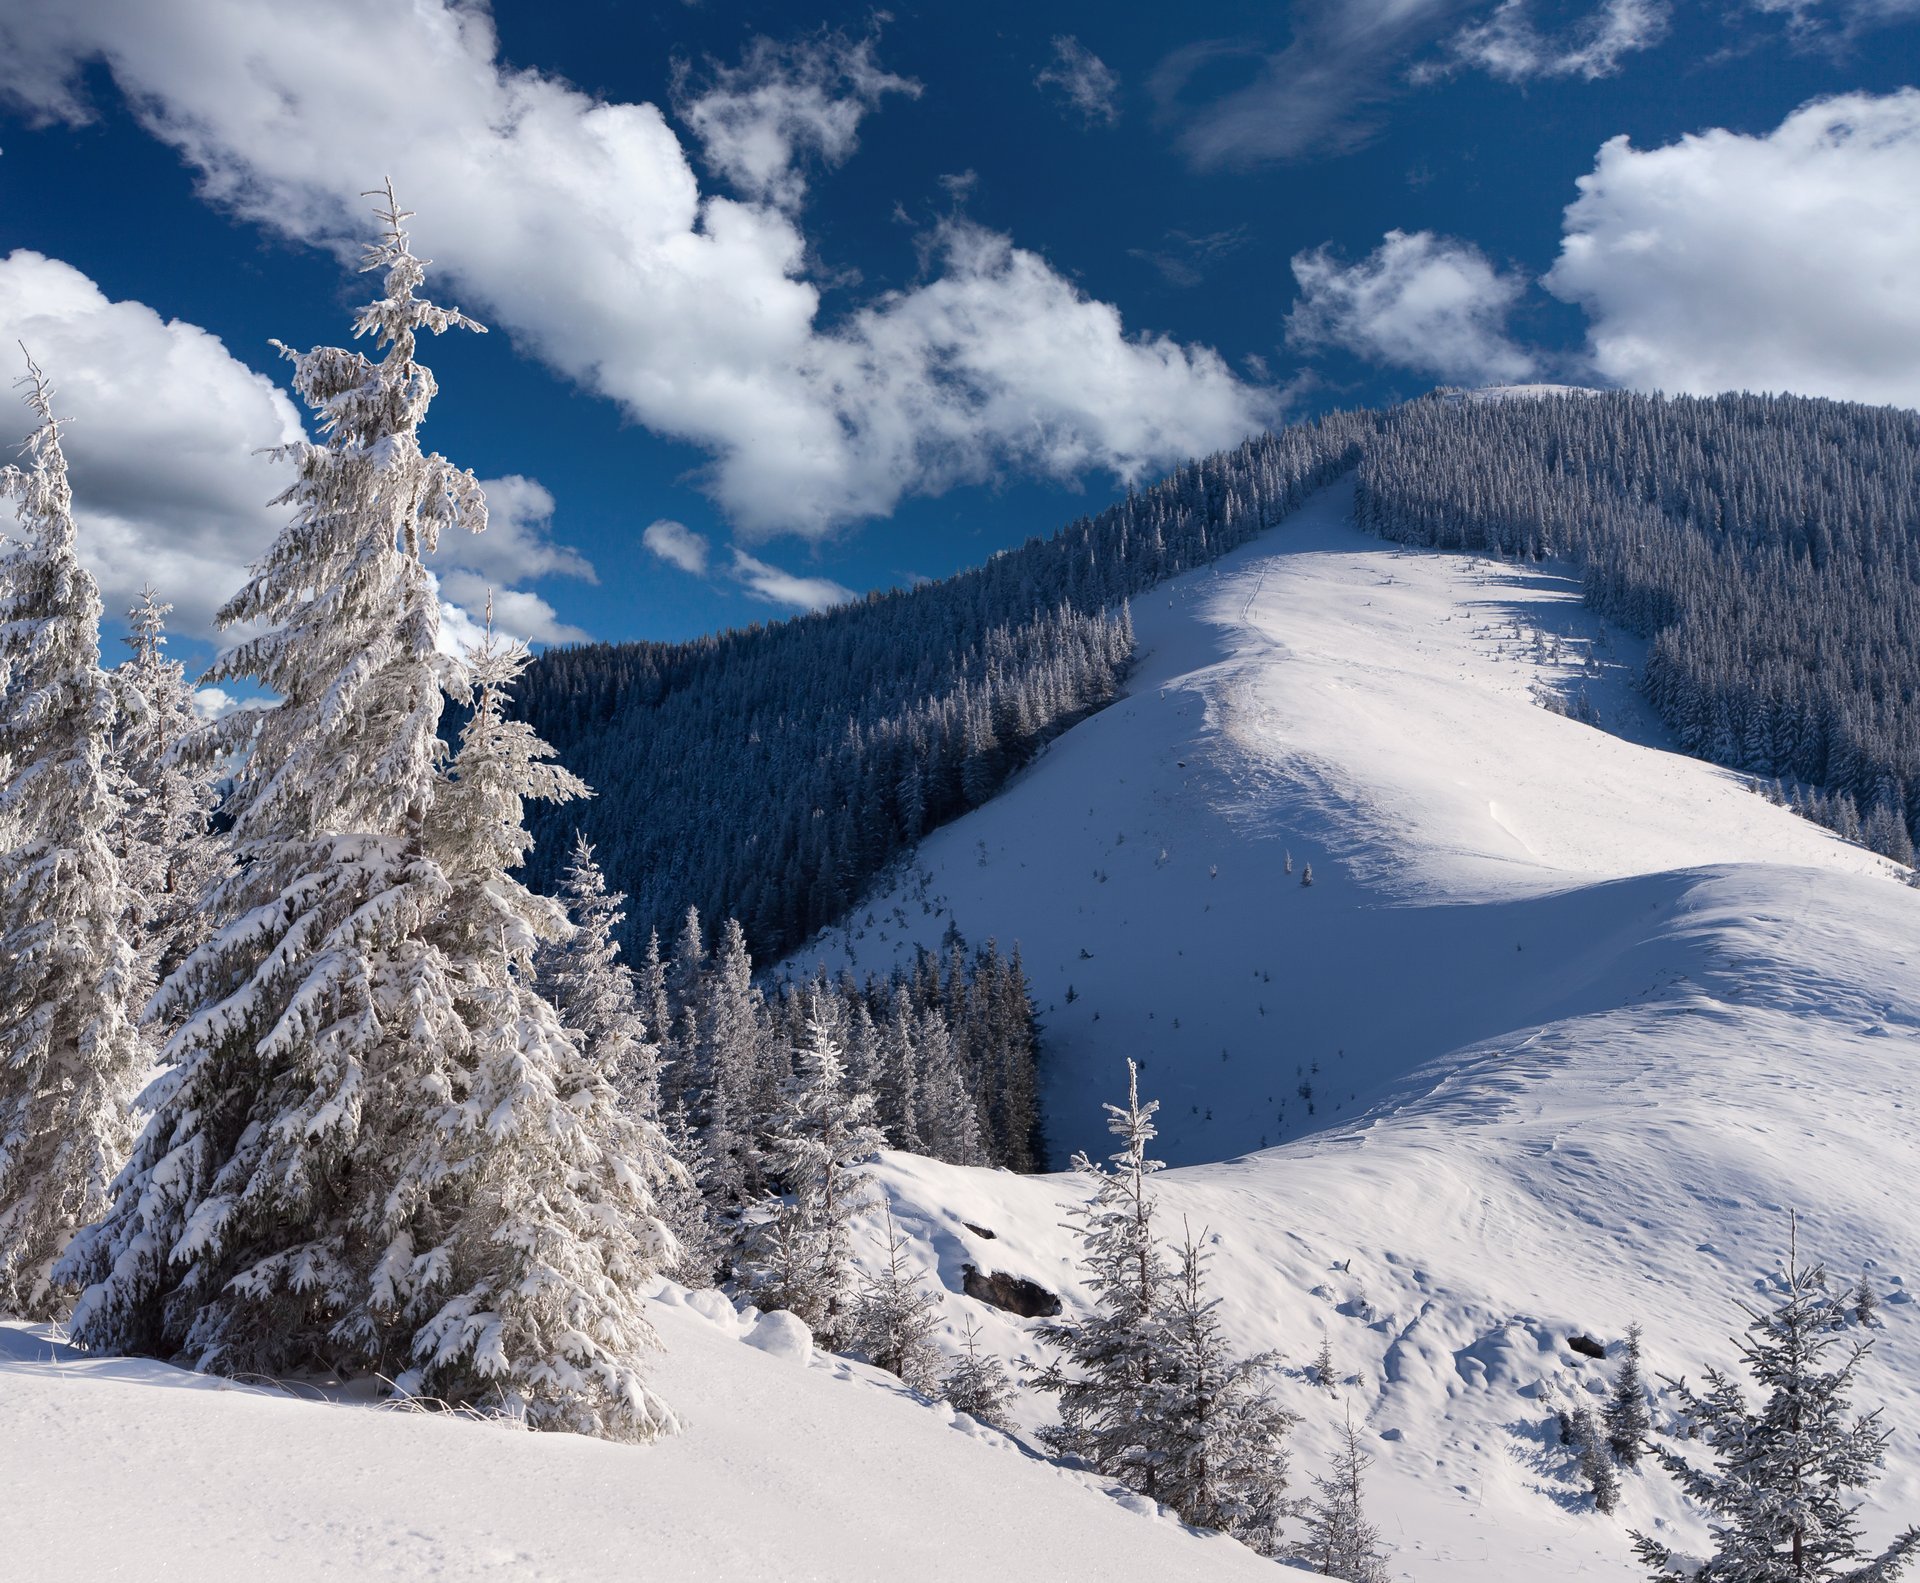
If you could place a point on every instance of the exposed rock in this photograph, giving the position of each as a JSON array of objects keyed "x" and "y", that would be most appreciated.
[
  {"x": 1014, "y": 1293},
  {"x": 1586, "y": 1346},
  {"x": 978, "y": 1231}
]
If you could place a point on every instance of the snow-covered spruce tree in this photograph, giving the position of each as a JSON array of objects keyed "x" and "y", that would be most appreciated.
[
  {"x": 591, "y": 988},
  {"x": 799, "y": 1254},
  {"x": 1778, "y": 1492},
  {"x": 1340, "y": 1542},
  {"x": 1323, "y": 1373},
  {"x": 977, "y": 1384},
  {"x": 71, "y": 1055},
  {"x": 703, "y": 1245},
  {"x": 169, "y": 852},
  {"x": 529, "y": 1194},
  {"x": 1596, "y": 1461},
  {"x": 1628, "y": 1422},
  {"x": 894, "y": 1319},
  {"x": 1217, "y": 1438},
  {"x": 1107, "y": 1365},
  {"x": 316, "y": 1027}
]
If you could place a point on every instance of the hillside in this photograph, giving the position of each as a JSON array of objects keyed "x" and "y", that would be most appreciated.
[{"x": 1588, "y": 1017}]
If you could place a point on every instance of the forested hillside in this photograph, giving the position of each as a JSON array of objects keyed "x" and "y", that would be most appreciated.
[
  {"x": 1769, "y": 546},
  {"x": 768, "y": 774}
]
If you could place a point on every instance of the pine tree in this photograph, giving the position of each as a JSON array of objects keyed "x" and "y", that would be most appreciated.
[
  {"x": 1216, "y": 1437},
  {"x": 703, "y": 1245},
  {"x": 591, "y": 988},
  {"x": 895, "y": 1317},
  {"x": 1108, "y": 1364},
  {"x": 1628, "y": 1422},
  {"x": 1323, "y": 1375},
  {"x": 1866, "y": 1301},
  {"x": 1596, "y": 1463},
  {"x": 799, "y": 1256},
  {"x": 536, "y": 1223},
  {"x": 71, "y": 1056},
  {"x": 317, "y": 1025},
  {"x": 1778, "y": 1490},
  {"x": 170, "y": 855},
  {"x": 977, "y": 1384},
  {"x": 1340, "y": 1542}
]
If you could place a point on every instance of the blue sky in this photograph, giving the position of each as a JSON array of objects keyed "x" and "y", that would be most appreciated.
[{"x": 791, "y": 301}]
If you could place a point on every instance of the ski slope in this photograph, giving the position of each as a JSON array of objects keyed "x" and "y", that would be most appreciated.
[{"x": 1582, "y": 1018}]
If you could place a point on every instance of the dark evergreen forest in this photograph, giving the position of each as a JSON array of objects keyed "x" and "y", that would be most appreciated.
[{"x": 1769, "y": 547}]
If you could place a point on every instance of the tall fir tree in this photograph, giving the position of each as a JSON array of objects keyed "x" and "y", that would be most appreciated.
[
  {"x": 316, "y": 1026},
  {"x": 1777, "y": 1496},
  {"x": 1628, "y": 1422},
  {"x": 1107, "y": 1366},
  {"x": 535, "y": 1223},
  {"x": 71, "y": 1053}
]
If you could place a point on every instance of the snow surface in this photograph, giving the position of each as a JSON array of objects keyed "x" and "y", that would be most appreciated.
[{"x": 1588, "y": 1018}]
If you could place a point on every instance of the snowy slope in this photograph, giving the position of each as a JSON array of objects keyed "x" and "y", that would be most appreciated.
[
  {"x": 1588, "y": 1017},
  {"x": 786, "y": 1470}
]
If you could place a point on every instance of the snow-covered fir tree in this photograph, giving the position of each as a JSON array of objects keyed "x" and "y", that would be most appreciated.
[
  {"x": 1216, "y": 1436},
  {"x": 1340, "y": 1542},
  {"x": 1778, "y": 1492},
  {"x": 730, "y": 1039},
  {"x": 977, "y": 1384},
  {"x": 1596, "y": 1461},
  {"x": 536, "y": 1223},
  {"x": 315, "y": 1028},
  {"x": 702, "y": 1243},
  {"x": 1323, "y": 1372},
  {"x": 71, "y": 1053},
  {"x": 591, "y": 988},
  {"x": 170, "y": 854},
  {"x": 1107, "y": 1365},
  {"x": 799, "y": 1255},
  {"x": 1628, "y": 1421},
  {"x": 895, "y": 1316}
]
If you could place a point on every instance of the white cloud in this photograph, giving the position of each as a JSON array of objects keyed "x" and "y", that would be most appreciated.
[
  {"x": 677, "y": 545},
  {"x": 1417, "y": 301},
  {"x": 516, "y": 547},
  {"x": 1319, "y": 93},
  {"x": 756, "y": 120},
  {"x": 1091, "y": 86},
  {"x": 163, "y": 424},
  {"x": 1789, "y": 261},
  {"x": 581, "y": 228},
  {"x": 776, "y": 587},
  {"x": 1507, "y": 45},
  {"x": 1836, "y": 22}
]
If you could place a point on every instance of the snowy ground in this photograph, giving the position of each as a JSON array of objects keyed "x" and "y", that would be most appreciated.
[{"x": 1581, "y": 1019}]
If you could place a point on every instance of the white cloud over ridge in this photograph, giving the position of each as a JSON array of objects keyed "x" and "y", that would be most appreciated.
[
  {"x": 581, "y": 228},
  {"x": 772, "y": 586},
  {"x": 1418, "y": 301},
  {"x": 1789, "y": 261}
]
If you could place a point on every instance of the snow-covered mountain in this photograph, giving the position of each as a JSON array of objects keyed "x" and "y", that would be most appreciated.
[{"x": 1563, "y": 1028}]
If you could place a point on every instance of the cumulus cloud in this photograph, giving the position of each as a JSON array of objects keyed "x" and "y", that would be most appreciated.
[
  {"x": 1090, "y": 86},
  {"x": 773, "y": 586},
  {"x": 1788, "y": 261},
  {"x": 1418, "y": 301},
  {"x": 517, "y": 547},
  {"x": 758, "y": 120},
  {"x": 581, "y": 228},
  {"x": 163, "y": 428},
  {"x": 677, "y": 545},
  {"x": 1507, "y": 45},
  {"x": 1320, "y": 93}
]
